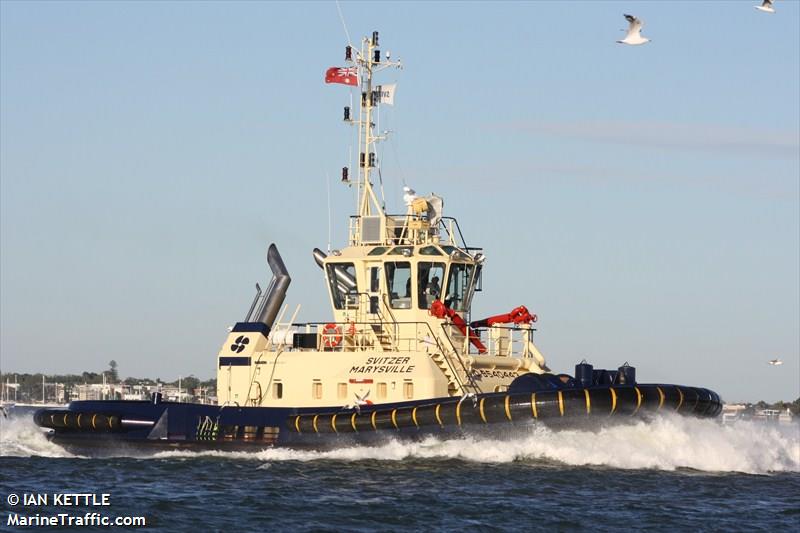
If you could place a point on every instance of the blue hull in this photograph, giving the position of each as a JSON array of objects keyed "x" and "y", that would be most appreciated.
[{"x": 110, "y": 426}]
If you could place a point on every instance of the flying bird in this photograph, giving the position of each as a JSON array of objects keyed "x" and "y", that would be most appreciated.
[
  {"x": 766, "y": 6},
  {"x": 776, "y": 362},
  {"x": 362, "y": 400},
  {"x": 634, "y": 35}
]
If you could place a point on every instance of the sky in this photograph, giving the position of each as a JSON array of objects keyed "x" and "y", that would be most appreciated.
[{"x": 643, "y": 201}]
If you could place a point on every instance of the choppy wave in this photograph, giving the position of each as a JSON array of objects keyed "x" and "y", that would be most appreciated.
[
  {"x": 666, "y": 443},
  {"x": 20, "y": 437}
]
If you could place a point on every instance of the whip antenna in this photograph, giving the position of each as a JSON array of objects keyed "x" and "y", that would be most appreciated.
[
  {"x": 328, "y": 185},
  {"x": 341, "y": 17}
]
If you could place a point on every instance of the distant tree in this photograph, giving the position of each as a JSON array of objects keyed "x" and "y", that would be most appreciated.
[
  {"x": 112, "y": 371},
  {"x": 91, "y": 377},
  {"x": 190, "y": 383}
]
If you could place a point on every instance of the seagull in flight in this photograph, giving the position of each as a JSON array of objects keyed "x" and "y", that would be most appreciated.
[
  {"x": 634, "y": 35},
  {"x": 766, "y": 6},
  {"x": 776, "y": 362}
]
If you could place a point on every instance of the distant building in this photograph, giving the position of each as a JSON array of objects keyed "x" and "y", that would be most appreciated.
[{"x": 732, "y": 411}]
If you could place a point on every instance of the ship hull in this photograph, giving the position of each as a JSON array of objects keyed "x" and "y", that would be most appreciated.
[{"x": 121, "y": 427}]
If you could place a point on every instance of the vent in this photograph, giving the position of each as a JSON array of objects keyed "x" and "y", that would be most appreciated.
[{"x": 371, "y": 229}]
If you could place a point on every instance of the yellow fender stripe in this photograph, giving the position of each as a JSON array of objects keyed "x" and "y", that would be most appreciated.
[
  {"x": 508, "y": 407},
  {"x": 314, "y": 423},
  {"x": 353, "y": 421},
  {"x": 372, "y": 420},
  {"x": 78, "y": 421},
  {"x": 333, "y": 424},
  {"x": 458, "y": 413},
  {"x": 561, "y": 403},
  {"x": 296, "y": 423},
  {"x": 613, "y": 400},
  {"x": 394, "y": 419},
  {"x": 660, "y": 397},
  {"x": 483, "y": 414},
  {"x": 680, "y": 402},
  {"x": 638, "y": 400},
  {"x": 414, "y": 416},
  {"x": 588, "y": 402},
  {"x": 65, "y": 420},
  {"x": 533, "y": 405},
  {"x": 436, "y": 412},
  {"x": 94, "y": 417}
]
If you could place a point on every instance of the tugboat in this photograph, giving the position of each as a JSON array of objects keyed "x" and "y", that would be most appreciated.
[{"x": 402, "y": 356}]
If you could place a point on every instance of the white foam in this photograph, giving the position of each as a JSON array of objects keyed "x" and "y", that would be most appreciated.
[
  {"x": 666, "y": 443},
  {"x": 20, "y": 437}
]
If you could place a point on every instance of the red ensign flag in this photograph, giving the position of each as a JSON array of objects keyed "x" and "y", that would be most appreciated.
[{"x": 347, "y": 76}]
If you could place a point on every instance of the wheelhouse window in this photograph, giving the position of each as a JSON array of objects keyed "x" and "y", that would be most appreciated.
[
  {"x": 430, "y": 277},
  {"x": 343, "y": 285},
  {"x": 429, "y": 250},
  {"x": 459, "y": 287},
  {"x": 407, "y": 251},
  {"x": 398, "y": 281},
  {"x": 455, "y": 253},
  {"x": 374, "y": 279}
]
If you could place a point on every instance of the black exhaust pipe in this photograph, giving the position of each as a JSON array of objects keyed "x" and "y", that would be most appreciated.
[{"x": 277, "y": 289}]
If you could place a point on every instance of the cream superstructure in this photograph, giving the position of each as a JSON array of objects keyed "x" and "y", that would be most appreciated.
[{"x": 401, "y": 293}]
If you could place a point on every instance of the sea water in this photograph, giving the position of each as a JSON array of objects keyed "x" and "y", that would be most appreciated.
[{"x": 673, "y": 473}]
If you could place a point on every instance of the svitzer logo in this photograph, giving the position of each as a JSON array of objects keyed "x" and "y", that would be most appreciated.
[{"x": 239, "y": 344}]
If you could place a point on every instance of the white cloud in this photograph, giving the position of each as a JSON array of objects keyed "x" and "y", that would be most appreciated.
[{"x": 751, "y": 141}]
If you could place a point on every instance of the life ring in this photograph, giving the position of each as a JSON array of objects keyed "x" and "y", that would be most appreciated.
[{"x": 331, "y": 335}]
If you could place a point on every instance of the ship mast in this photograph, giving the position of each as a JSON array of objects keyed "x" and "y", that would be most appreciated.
[{"x": 368, "y": 62}]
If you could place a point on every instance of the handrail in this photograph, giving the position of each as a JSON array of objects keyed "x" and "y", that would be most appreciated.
[
  {"x": 456, "y": 237},
  {"x": 447, "y": 354},
  {"x": 444, "y": 353},
  {"x": 461, "y": 360}
]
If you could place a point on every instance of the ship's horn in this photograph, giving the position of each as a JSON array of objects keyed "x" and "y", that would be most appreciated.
[{"x": 277, "y": 289}]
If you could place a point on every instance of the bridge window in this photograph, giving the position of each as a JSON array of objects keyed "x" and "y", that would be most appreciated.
[
  {"x": 343, "y": 286},
  {"x": 430, "y": 278},
  {"x": 374, "y": 279},
  {"x": 459, "y": 291},
  {"x": 398, "y": 280},
  {"x": 341, "y": 390},
  {"x": 429, "y": 250},
  {"x": 316, "y": 390},
  {"x": 455, "y": 253},
  {"x": 407, "y": 251},
  {"x": 277, "y": 390},
  {"x": 381, "y": 390}
]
